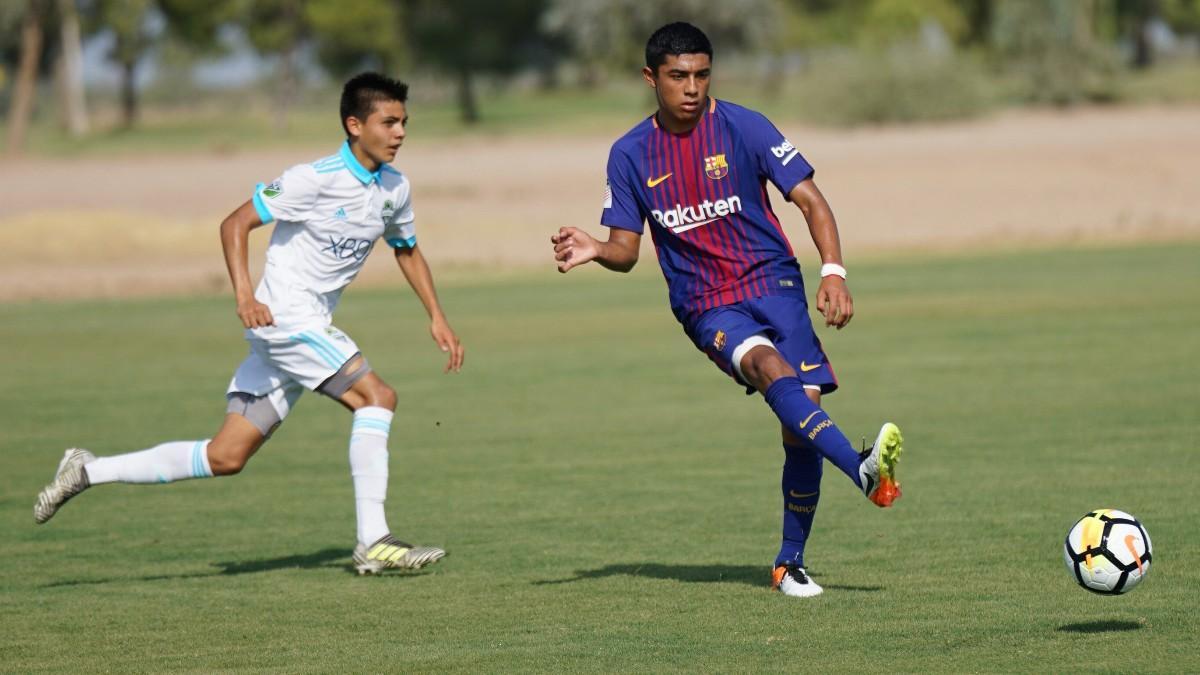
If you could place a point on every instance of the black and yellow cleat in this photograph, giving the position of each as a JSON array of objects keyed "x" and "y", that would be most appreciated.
[{"x": 389, "y": 553}]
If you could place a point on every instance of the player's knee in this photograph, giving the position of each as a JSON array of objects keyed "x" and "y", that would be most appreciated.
[
  {"x": 227, "y": 460},
  {"x": 762, "y": 365},
  {"x": 382, "y": 395}
]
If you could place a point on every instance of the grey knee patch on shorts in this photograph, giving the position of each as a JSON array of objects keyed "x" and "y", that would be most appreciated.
[
  {"x": 256, "y": 409},
  {"x": 353, "y": 370}
]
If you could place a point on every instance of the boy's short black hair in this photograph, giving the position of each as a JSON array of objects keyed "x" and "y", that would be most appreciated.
[
  {"x": 362, "y": 92},
  {"x": 674, "y": 39}
]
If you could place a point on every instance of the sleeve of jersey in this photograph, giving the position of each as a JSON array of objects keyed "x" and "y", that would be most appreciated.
[
  {"x": 620, "y": 205},
  {"x": 778, "y": 159},
  {"x": 401, "y": 231},
  {"x": 290, "y": 197}
]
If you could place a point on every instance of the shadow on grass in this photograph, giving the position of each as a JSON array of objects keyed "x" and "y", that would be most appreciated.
[
  {"x": 1110, "y": 626},
  {"x": 752, "y": 575},
  {"x": 325, "y": 558}
]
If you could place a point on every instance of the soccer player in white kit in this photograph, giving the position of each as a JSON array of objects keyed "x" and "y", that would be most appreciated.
[{"x": 328, "y": 216}]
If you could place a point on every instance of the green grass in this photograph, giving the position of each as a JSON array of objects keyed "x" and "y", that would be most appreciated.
[{"x": 610, "y": 500}]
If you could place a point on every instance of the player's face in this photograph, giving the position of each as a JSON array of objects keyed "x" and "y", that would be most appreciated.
[
  {"x": 382, "y": 133},
  {"x": 681, "y": 86}
]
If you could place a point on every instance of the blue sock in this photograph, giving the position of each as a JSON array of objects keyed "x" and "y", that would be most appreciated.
[
  {"x": 804, "y": 418},
  {"x": 801, "y": 491}
]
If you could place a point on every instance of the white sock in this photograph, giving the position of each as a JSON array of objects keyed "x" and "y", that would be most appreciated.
[
  {"x": 166, "y": 463},
  {"x": 369, "y": 468}
]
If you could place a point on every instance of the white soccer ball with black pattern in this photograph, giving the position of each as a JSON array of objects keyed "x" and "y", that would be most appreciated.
[{"x": 1108, "y": 552}]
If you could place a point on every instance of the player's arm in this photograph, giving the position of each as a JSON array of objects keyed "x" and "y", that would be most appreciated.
[
  {"x": 235, "y": 237},
  {"x": 833, "y": 297},
  {"x": 416, "y": 271},
  {"x": 574, "y": 247}
]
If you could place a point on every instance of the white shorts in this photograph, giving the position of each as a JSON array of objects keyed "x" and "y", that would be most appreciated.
[{"x": 282, "y": 366}]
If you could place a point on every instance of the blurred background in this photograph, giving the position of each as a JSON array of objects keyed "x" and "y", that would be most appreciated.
[{"x": 131, "y": 127}]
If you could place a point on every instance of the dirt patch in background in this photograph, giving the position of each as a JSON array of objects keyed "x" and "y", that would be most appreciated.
[{"x": 148, "y": 225}]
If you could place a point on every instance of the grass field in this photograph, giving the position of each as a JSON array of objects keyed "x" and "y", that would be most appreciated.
[{"x": 609, "y": 499}]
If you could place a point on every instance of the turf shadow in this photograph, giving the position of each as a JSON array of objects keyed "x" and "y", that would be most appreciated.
[
  {"x": 752, "y": 575},
  {"x": 1109, "y": 626},
  {"x": 314, "y": 560}
]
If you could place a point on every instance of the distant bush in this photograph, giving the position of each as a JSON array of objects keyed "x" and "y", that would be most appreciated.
[{"x": 892, "y": 86}]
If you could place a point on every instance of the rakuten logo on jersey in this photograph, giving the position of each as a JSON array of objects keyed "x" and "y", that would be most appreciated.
[{"x": 683, "y": 218}]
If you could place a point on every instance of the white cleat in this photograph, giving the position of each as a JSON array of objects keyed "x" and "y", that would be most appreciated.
[
  {"x": 389, "y": 553},
  {"x": 792, "y": 580},
  {"x": 69, "y": 480}
]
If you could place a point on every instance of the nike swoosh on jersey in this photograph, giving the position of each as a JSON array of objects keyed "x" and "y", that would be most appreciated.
[
  {"x": 805, "y": 368},
  {"x": 808, "y": 419},
  {"x": 651, "y": 182}
]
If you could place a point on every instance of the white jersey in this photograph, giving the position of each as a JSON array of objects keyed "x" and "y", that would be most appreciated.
[{"x": 329, "y": 215}]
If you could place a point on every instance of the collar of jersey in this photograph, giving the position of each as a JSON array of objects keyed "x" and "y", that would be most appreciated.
[{"x": 360, "y": 172}]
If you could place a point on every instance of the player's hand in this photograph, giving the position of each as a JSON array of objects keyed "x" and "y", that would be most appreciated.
[
  {"x": 254, "y": 314},
  {"x": 448, "y": 342},
  {"x": 834, "y": 301},
  {"x": 573, "y": 247}
]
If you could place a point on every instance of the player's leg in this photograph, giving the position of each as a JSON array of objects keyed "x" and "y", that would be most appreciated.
[
  {"x": 163, "y": 463},
  {"x": 249, "y": 421},
  {"x": 801, "y": 487},
  {"x": 764, "y": 368},
  {"x": 373, "y": 403}
]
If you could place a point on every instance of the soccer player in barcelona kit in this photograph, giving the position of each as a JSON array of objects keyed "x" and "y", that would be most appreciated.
[
  {"x": 697, "y": 170},
  {"x": 328, "y": 216}
]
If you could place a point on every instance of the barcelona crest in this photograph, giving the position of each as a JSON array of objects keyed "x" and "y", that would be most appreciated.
[{"x": 716, "y": 167}]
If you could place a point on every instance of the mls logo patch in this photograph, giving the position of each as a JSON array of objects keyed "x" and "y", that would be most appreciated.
[{"x": 715, "y": 167}]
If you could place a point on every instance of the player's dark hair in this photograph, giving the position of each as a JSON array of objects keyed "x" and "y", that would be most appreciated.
[
  {"x": 364, "y": 90},
  {"x": 674, "y": 39}
]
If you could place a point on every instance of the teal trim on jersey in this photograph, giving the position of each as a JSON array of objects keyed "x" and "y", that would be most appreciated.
[
  {"x": 264, "y": 214},
  {"x": 397, "y": 242},
  {"x": 360, "y": 172},
  {"x": 331, "y": 168},
  {"x": 329, "y": 357},
  {"x": 325, "y": 161}
]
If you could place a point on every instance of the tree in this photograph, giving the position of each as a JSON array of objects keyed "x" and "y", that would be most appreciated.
[
  {"x": 70, "y": 70},
  {"x": 21, "y": 106},
  {"x": 606, "y": 34},
  {"x": 127, "y": 19},
  {"x": 345, "y": 33},
  {"x": 465, "y": 38},
  {"x": 138, "y": 26},
  {"x": 1052, "y": 46}
]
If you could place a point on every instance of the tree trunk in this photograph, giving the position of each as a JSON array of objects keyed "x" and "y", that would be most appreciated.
[
  {"x": 70, "y": 72},
  {"x": 21, "y": 107},
  {"x": 129, "y": 102},
  {"x": 467, "y": 104},
  {"x": 287, "y": 88}
]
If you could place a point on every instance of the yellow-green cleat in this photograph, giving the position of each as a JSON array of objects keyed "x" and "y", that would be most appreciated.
[
  {"x": 389, "y": 553},
  {"x": 877, "y": 470}
]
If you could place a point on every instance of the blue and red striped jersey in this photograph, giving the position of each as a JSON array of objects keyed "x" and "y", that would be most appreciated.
[{"x": 704, "y": 193}]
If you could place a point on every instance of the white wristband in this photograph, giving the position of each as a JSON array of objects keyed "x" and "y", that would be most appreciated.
[{"x": 833, "y": 269}]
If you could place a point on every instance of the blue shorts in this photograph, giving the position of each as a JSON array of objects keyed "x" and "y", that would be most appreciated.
[{"x": 782, "y": 319}]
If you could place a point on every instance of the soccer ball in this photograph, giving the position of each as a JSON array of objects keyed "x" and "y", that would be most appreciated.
[{"x": 1108, "y": 552}]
